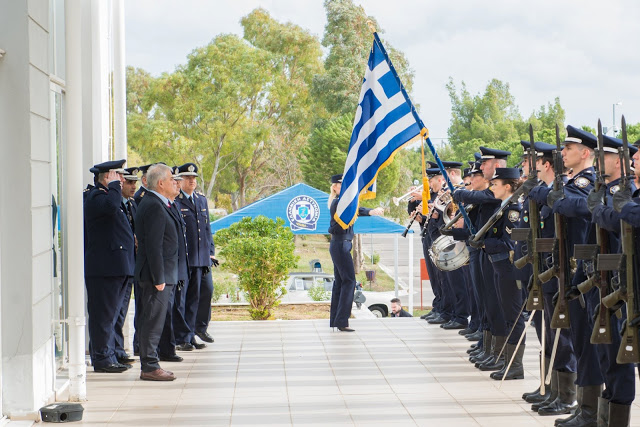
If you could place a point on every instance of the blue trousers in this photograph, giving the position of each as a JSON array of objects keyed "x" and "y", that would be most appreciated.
[
  {"x": 437, "y": 303},
  {"x": 477, "y": 287},
  {"x": 204, "y": 305},
  {"x": 619, "y": 379},
  {"x": 104, "y": 299},
  {"x": 456, "y": 284},
  {"x": 344, "y": 283},
  {"x": 588, "y": 368},
  {"x": 122, "y": 315},
  {"x": 510, "y": 299},
  {"x": 186, "y": 309},
  {"x": 493, "y": 309}
]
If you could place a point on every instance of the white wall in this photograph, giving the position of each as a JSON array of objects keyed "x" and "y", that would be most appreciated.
[{"x": 25, "y": 208}]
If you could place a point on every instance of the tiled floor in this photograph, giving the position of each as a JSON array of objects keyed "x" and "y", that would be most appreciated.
[{"x": 401, "y": 372}]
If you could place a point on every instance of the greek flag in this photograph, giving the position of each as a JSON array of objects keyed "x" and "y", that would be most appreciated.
[{"x": 384, "y": 123}]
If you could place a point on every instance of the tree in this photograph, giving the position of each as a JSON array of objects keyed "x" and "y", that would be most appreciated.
[
  {"x": 261, "y": 252},
  {"x": 349, "y": 40},
  {"x": 492, "y": 119}
]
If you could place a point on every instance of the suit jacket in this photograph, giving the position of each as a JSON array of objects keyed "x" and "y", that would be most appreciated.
[
  {"x": 109, "y": 244},
  {"x": 157, "y": 232},
  {"x": 199, "y": 240}
]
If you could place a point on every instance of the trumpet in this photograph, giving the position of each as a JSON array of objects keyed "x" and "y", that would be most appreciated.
[{"x": 396, "y": 200}]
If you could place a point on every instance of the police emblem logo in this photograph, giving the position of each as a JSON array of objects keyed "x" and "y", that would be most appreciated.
[
  {"x": 303, "y": 213},
  {"x": 191, "y": 168},
  {"x": 176, "y": 171},
  {"x": 582, "y": 182},
  {"x": 614, "y": 189},
  {"x": 525, "y": 218},
  {"x": 134, "y": 172},
  {"x": 513, "y": 216},
  {"x": 495, "y": 230}
]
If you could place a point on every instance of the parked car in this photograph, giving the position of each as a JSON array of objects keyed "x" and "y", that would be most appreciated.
[{"x": 379, "y": 303}]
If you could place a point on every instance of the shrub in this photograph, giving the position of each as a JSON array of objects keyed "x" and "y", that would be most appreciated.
[
  {"x": 317, "y": 293},
  {"x": 261, "y": 252}
]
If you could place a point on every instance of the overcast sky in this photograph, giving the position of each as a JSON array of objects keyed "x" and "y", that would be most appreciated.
[{"x": 583, "y": 51}]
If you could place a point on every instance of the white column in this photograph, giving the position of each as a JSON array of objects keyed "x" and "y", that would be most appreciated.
[
  {"x": 411, "y": 271},
  {"x": 395, "y": 262},
  {"x": 99, "y": 100},
  {"x": 119, "y": 83},
  {"x": 72, "y": 208}
]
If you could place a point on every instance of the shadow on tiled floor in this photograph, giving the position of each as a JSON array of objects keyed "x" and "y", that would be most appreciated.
[{"x": 389, "y": 372}]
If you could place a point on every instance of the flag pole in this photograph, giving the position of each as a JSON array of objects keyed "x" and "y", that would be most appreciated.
[{"x": 423, "y": 129}]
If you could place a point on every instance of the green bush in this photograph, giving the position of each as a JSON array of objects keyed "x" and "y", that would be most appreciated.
[
  {"x": 227, "y": 288},
  {"x": 260, "y": 252},
  {"x": 317, "y": 293},
  {"x": 376, "y": 258}
]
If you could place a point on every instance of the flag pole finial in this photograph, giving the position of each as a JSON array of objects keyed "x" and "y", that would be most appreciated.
[{"x": 372, "y": 27}]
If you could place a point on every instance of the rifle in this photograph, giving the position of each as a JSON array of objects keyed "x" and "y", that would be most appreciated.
[
  {"x": 626, "y": 263},
  {"x": 534, "y": 300},
  {"x": 558, "y": 247},
  {"x": 599, "y": 276},
  {"x": 496, "y": 215}
]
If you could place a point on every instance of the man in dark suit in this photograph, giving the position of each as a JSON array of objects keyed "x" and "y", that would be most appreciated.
[
  {"x": 397, "y": 310},
  {"x": 137, "y": 197},
  {"x": 108, "y": 262},
  {"x": 156, "y": 265}
]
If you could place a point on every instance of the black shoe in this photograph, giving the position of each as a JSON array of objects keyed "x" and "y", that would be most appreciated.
[
  {"x": 170, "y": 358},
  {"x": 466, "y": 331},
  {"x": 126, "y": 360},
  {"x": 445, "y": 323},
  {"x": 198, "y": 346},
  {"x": 424, "y": 316},
  {"x": 437, "y": 320},
  {"x": 111, "y": 369},
  {"x": 346, "y": 329},
  {"x": 476, "y": 336},
  {"x": 126, "y": 365},
  {"x": 454, "y": 325},
  {"x": 187, "y": 346},
  {"x": 204, "y": 336}
]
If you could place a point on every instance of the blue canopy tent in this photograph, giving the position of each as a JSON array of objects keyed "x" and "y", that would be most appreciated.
[{"x": 304, "y": 209}]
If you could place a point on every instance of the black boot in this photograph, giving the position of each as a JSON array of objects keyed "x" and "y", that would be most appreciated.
[
  {"x": 588, "y": 416},
  {"x": 575, "y": 413},
  {"x": 516, "y": 370},
  {"x": 535, "y": 396},
  {"x": 565, "y": 402},
  {"x": 553, "y": 385},
  {"x": 619, "y": 415},
  {"x": 494, "y": 363},
  {"x": 486, "y": 348},
  {"x": 603, "y": 412}
]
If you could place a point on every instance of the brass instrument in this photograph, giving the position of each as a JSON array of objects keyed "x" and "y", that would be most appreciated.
[{"x": 396, "y": 200}]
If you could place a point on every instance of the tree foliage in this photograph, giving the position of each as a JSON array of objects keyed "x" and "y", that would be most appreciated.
[
  {"x": 492, "y": 119},
  {"x": 261, "y": 252}
]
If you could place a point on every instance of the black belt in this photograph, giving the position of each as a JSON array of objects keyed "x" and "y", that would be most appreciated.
[{"x": 340, "y": 238}]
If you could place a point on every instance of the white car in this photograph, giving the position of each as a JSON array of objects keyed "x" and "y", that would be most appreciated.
[{"x": 379, "y": 303}]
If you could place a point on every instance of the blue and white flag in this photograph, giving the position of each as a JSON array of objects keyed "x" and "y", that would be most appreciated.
[{"x": 384, "y": 123}]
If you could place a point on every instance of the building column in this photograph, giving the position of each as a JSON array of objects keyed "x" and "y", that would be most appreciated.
[
  {"x": 72, "y": 210},
  {"x": 28, "y": 360}
]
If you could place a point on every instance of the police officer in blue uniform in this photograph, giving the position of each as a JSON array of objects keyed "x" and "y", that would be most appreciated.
[
  {"x": 619, "y": 379},
  {"x": 195, "y": 213},
  {"x": 108, "y": 262},
  {"x": 128, "y": 206},
  {"x": 562, "y": 390},
  {"x": 344, "y": 283},
  {"x": 443, "y": 304},
  {"x": 571, "y": 202},
  {"x": 498, "y": 247},
  {"x": 167, "y": 345},
  {"x": 137, "y": 197},
  {"x": 496, "y": 332},
  {"x": 454, "y": 282}
]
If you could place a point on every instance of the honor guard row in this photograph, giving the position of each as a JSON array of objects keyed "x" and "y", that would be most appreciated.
[
  {"x": 554, "y": 243},
  {"x": 156, "y": 241}
]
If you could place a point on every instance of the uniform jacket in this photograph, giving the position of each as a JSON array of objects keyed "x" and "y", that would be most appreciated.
[
  {"x": 109, "y": 244},
  {"x": 183, "y": 248},
  {"x": 335, "y": 229},
  {"x": 498, "y": 238},
  {"x": 139, "y": 194},
  {"x": 157, "y": 232},
  {"x": 198, "y": 231}
]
